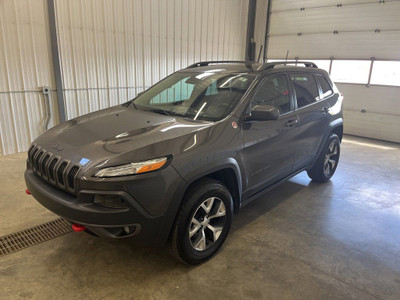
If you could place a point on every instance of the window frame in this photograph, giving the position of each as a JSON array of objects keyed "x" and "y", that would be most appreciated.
[
  {"x": 350, "y": 64},
  {"x": 261, "y": 81},
  {"x": 373, "y": 80}
]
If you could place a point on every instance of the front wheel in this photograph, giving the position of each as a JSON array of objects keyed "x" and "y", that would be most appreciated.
[
  {"x": 328, "y": 160},
  {"x": 203, "y": 222}
]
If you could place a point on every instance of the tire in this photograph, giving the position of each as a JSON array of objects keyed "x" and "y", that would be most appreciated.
[
  {"x": 326, "y": 164},
  {"x": 207, "y": 205}
]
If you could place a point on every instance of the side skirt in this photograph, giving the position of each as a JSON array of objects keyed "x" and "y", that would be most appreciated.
[{"x": 271, "y": 187}]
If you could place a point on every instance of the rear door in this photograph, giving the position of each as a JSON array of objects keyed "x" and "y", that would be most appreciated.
[
  {"x": 313, "y": 113},
  {"x": 269, "y": 146}
]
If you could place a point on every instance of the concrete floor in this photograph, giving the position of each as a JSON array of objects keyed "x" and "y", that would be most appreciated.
[{"x": 339, "y": 240}]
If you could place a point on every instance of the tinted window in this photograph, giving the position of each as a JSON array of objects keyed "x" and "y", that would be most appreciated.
[
  {"x": 306, "y": 89},
  {"x": 325, "y": 86},
  {"x": 273, "y": 91}
]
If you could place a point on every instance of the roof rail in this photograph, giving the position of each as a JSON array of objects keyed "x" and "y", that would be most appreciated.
[
  {"x": 271, "y": 65},
  {"x": 206, "y": 63}
]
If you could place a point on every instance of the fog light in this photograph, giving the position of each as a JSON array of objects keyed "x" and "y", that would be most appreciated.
[{"x": 110, "y": 201}]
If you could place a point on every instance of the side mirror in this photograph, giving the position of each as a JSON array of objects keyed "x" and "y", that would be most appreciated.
[{"x": 263, "y": 113}]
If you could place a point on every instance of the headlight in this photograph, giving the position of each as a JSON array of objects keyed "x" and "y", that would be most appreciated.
[{"x": 133, "y": 168}]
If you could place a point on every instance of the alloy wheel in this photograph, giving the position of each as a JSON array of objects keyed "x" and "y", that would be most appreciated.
[
  {"x": 207, "y": 223},
  {"x": 331, "y": 158}
]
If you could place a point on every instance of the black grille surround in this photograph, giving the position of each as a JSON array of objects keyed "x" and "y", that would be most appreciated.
[{"x": 58, "y": 172}]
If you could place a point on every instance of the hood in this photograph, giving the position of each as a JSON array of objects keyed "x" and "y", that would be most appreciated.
[{"x": 99, "y": 136}]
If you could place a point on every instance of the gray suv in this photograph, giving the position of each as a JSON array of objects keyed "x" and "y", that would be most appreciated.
[{"x": 171, "y": 166}]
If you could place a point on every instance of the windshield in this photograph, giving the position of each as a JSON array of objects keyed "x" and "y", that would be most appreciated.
[{"x": 209, "y": 96}]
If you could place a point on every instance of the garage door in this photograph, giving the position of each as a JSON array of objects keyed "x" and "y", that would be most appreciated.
[
  {"x": 321, "y": 29},
  {"x": 359, "y": 42}
]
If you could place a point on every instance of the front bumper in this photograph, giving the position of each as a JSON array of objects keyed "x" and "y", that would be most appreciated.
[{"x": 101, "y": 221}]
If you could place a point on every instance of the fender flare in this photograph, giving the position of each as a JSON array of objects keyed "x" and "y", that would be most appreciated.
[
  {"x": 169, "y": 218},
  {"x": 218, "y": 165},
  {"x": 332, "y": 125}
]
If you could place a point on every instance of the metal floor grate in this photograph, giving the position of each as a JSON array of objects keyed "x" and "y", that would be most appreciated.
[{"x": 33, "y": 236}]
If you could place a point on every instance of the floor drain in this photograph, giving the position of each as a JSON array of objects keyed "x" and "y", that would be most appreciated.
[{"x": 33, "y": 236}]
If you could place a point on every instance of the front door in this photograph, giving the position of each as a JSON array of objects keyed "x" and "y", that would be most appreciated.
[{"x": 269, "y": 146}]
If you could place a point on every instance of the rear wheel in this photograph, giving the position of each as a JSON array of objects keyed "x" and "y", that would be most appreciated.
[
  {"x": 327, "y": 162},
  {"x": 203, "y": 222}
]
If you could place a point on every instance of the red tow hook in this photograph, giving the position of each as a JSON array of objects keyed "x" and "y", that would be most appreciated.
[
  {"x": 27, "y": 192},
  {"x": 78, "y": 227}
]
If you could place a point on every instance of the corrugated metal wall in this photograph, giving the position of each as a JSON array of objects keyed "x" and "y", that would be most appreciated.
[
  {"x": 25, "y": 65},
  {"x": 259, "y": 27},
  {"x": 111, "y": 50}
]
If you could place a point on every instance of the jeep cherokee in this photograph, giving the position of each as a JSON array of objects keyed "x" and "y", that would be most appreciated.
[{"x": 171, "y": 166}]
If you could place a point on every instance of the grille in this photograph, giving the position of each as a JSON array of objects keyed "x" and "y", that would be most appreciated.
[
  {"x": 53, "y": 169},
  {"x": 33, "y": 236}
]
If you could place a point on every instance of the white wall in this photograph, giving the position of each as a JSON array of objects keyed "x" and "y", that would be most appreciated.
[
  {"x": 25, "y": 65},
  {"x": 111, "y": 50}
]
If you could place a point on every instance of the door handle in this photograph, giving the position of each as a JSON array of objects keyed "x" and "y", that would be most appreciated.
[
  {"x": 291, "y": 123},
  {"x": 325, "y": 110}
]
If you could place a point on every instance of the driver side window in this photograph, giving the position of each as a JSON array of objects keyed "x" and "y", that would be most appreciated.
[{"x": 273, "y": 91}]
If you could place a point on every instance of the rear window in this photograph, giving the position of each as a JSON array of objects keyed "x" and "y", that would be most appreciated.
[
  {"x": 325, "y": 86},
  {"x": 306, "y": 89}
]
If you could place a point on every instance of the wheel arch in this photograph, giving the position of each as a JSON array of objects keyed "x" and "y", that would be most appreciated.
[
  {"x": 338, "y": 130},
  {"x": 336, "y": 126},
  {"x": 227, "y": 173}
]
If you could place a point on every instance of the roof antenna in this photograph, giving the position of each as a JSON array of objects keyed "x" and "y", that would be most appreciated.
[{"x": 287, "y": 54}]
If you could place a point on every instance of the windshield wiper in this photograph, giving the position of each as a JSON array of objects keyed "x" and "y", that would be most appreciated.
[
  {"x": 159, "y": 111},
  {"x": 165, "y": 112}
]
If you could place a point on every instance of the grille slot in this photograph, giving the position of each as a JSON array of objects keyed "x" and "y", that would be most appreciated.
[
  {"x": 37, "y": 159},
  {"x": 60, "y": 172},
  {"x": 52, "y": 170},
  {"x": 33, "y": 156},
  {"x": 30, "y": 152},
  {"x": 43, "y": 164},
  {"x": 71, "y": 177}
]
